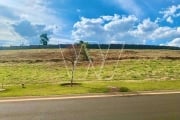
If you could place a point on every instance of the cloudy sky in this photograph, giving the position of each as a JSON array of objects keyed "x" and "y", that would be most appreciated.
[{"x": 154, "y": 22}]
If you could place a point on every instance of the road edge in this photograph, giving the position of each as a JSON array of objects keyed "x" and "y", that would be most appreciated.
[{"x": 125, "y": 94}]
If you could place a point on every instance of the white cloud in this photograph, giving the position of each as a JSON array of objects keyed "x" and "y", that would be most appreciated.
[
  {"x": 119, "y": 23},
  {"x": 7, "y": 31},
  {"x": 171, "y": 12},
  {"x": 106, "y": 29},
  {"x": 122, "y": 28},
  {"x": 36, "y": 12},
  {"x": 145, "y": 29},
  {"x": 88, "y": 28},
  {"x": 175, "y": 42},
  {"x": 165, "y": 33},
  {"x": 169, "y": 19}
]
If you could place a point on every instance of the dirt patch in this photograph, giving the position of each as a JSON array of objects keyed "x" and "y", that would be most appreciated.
[
  {"x": 48, "y": 55},
  {"x": 170, "y": 58},
  {"x": 129, "y": 52},
  {"x": 113, "y": 89}
]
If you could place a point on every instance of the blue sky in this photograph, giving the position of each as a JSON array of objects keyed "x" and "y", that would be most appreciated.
[{"x": 154, "y": 22}]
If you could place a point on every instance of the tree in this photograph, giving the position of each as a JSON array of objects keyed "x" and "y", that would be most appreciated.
[
  {"x": 73, "y": 54},
  {"x": 84, "y": 51},
  {"x": 44, "y": 39}
]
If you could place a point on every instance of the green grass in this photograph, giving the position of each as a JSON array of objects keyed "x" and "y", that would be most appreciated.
[
  {"x": 43, "y": 78},
  {"x": 13, "y": 74},
  {"x": 87, "y": 87}
]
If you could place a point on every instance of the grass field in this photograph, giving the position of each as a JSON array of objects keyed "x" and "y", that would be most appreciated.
[
  {"x": 42, "y": 72},
  {"x": 88, "y": 87}
]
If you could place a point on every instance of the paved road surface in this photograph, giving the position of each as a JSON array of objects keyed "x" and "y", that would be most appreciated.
[{"x": 156, "y": 107}]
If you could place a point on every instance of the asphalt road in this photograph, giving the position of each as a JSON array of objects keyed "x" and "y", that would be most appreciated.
[{"x": 156, "y": 107}]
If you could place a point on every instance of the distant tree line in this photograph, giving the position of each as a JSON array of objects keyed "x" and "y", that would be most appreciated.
[{"x": 92, "y": 46}]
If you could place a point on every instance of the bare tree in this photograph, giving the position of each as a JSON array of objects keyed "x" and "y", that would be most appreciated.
[{"x": 73, "y": 54}]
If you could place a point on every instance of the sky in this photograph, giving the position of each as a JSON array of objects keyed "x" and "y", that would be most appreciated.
[{"x": 150, "y": 22}]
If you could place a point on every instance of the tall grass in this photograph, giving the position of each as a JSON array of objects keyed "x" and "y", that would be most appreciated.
[{"x": 55, "y": 73}]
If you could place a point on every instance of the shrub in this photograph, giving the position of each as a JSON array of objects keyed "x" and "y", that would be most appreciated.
[{"x": 124, "y": 89}]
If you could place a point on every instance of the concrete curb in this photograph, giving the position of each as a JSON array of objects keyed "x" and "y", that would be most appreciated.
[{"x": 125, "y": 94}]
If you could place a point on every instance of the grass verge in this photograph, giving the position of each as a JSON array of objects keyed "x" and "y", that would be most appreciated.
[{"x": 88, "y": 87}]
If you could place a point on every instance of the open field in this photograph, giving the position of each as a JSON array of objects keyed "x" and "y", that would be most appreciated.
[
  {"x": 54, "y": 55},
  {"x": 17, "y": 73},
  {"x": 42, "y": 72}
]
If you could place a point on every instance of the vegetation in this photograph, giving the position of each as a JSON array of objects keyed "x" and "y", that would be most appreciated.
[
  {"x": 88, "y": 87},
  {"x": 84, "y": 50},
  {"x": 95, "y": 46},
  {"x": 42, "y": 71},
  {"x": 124, "y": 89},
  {"x": 44, "y": 39},
  {"x": 74, "y": 54},
  {"x": 52, "y": 72},
  {"x": 54, "y": 55}
]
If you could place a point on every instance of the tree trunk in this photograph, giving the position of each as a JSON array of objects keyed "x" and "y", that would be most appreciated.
[{"x": 72, "y": 74}]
